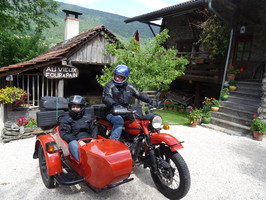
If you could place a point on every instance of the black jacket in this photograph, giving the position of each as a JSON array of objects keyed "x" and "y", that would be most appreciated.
[
  {"x": 71, "y": 129},
  {"x": 121, "y": 95}
]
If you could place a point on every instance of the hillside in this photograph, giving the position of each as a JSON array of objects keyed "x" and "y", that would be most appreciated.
[{"x": 91, "y": 18}]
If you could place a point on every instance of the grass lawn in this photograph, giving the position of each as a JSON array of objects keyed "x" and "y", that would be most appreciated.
[{"x": 173, "y": 117}]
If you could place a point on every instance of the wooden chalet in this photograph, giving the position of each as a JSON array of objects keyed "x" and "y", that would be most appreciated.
[
  {"x": 246, "y": 25},
  {"x": 68, "y": 68}
]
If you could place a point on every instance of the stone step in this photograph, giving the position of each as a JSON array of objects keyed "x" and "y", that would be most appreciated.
[
  {"x": 231, "y": 118},
  {"x": 252, "y": 91},
  {"x": 250, "y": 84},
  {"x": 240, "y": 106},
  {"x": 247, "y": 101},
  {"x": 225, "y": 130},
  {"x": 241, "y": 129},
  {"x": 245, "y": 94},
  {"x": 238, "y": 113}
]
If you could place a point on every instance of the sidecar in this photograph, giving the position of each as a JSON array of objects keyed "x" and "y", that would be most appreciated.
[{"x": 104, "y": 163}]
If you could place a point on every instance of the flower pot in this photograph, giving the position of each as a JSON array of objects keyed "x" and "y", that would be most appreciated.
[
  {"x": 232, "y": 88},
  {"x": 225, "y": 97},
  {"x": 199, "y": 60},
  {"x": 215, "y": 109},
  {"x": 231, "y": 77},
  {"x": 194, "y": 123},
  {"x": 257, "y": 136},
  {"x": 206, "y": 120}
]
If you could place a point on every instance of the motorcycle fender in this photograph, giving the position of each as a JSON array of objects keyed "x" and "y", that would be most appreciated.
[
  {"x": 53, "y": 160},
  {"x": 170, "y": 140}
]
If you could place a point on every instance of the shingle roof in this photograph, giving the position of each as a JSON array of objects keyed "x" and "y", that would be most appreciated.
[
  {"x": 168, "y": 11},
  {"x": 58, "y": 52}
]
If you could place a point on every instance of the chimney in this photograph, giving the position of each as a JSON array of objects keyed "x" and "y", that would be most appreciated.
[{"x": 71, "y": 24}]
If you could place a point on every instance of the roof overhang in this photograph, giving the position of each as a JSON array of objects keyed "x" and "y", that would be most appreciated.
[{"x": 179, "y": 9}]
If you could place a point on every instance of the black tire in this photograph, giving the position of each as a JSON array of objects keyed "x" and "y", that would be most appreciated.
[
  {"x": 173, "y": 180},
  {"x": 48, "y": 181}
]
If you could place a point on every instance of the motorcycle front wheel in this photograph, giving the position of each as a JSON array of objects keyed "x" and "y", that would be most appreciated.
[{"x": 172, "y": 177}]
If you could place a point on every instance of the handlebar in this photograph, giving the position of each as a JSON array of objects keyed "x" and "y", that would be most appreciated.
[{"x": 120, "y": 110}]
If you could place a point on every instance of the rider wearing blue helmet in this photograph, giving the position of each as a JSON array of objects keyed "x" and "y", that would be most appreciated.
[{"x": 119, "y": 92}]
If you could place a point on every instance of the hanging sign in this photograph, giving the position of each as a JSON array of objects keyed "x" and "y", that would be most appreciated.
[{"x": 60, "y": 72}]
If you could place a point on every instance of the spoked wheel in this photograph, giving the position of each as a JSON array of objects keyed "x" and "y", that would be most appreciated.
[
  {"x": 172, "y": 178},
  {"x": 48, "y": 181}
]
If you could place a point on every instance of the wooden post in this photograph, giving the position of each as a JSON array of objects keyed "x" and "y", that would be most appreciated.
[
  {"x": 60, "y": 88},
  {"x": 197, "y": 94}
]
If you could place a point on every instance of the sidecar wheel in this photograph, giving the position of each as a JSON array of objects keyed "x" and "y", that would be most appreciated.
[
  {"x": 173, "y": 178},
  {"x": 48, "y": 181}
]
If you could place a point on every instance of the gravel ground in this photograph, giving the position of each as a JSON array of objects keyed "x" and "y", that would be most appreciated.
[{"x": 221, "y": 167}]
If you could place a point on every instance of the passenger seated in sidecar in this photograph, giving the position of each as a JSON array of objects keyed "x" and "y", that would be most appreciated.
[{"x": 76, "y": 125}]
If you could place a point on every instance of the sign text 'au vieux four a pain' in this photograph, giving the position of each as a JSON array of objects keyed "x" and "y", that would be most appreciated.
[{"x": 60, "y": 72}]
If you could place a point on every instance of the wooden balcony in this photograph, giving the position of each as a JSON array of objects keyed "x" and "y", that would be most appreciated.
[{"x": 201, "y": 70}]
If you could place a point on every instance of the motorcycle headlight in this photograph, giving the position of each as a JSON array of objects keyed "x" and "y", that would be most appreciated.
[{"x": 157, "y": 122}]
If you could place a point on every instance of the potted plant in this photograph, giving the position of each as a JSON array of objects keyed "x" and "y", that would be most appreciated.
[
  {"x": 180, "y": 108},
  {"x": 211, "y": 103},
  {"x": 232, "y": 85},
  {"x": 206, "y": 117},
  {"x": 12, "y": 94},
  {"x": 198, "y": 59},
  {"x": 194, "y": 116},
  {"x": 258, "y": 126},
  {"x": 225, "y": 94},
  {"x": 231, "y": 73},
  {"x": 167, "y": 104}
]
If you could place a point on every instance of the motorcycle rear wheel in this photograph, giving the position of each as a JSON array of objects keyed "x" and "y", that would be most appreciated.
[
  {"x": 48, "y": 181},
  {"x": 173, "y": 179}
]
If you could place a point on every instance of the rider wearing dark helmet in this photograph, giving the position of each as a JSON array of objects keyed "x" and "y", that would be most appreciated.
[
  {"x": 119, "y": 92},
  {"x": 76, "y": 125}
]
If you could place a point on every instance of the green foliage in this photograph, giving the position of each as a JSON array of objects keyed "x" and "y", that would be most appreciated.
[
  {"x": 232, "y": 70},
  {"x": 258, "y": 125},
  {"x": 12, "y": 94},
  {"x": 195, "y": 115},
  {"x": 206, "y": 114},
  {"x": 210, "y": 102},
  {"x": 214, "y": 36},
  {"x": 232, "y": 83},
  {"x": 152, "y": 66},
  {"x": 225, "y": 91},
  {"x": 27, "y": 123},
  {"x": 23, "y": 15},
  {"x": 15, "y": 49},
  {"x": 92, "y": 18},
  {"x": 28, "y": 18},
  {"x": 173, "y": 117}
]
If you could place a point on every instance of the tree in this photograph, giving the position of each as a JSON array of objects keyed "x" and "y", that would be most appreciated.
[
  {"x": 21, "y": 26},
  {"x": 214, "y": 36},
  {"x": 152, "y": 66},
  {"x": 23, "y": 15},
  {"x": 15, "y": 49}
]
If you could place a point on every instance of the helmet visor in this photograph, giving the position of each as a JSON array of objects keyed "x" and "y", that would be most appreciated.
[
  {"x": 77, "y": 100},
  {"x": 119, "y": 78}
]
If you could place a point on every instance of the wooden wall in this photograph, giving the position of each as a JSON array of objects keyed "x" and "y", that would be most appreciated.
[{"x": 94, "y": 52}]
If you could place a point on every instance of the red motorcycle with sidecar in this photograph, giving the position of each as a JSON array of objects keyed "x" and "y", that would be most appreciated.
[{"x": 106, "y": 163}]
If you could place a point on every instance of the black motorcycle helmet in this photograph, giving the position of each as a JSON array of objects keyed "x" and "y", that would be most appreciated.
[{"x": 76, "y": 100}]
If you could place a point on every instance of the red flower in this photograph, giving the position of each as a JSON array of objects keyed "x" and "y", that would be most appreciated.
[
  {"x": 254, "y": 115},
  {"x": 231, "y": 65},
  {"x": 241, "y": 69}
]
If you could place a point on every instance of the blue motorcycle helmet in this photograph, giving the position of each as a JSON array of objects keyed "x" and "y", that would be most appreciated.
[{"x": 121, "y": 74}]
